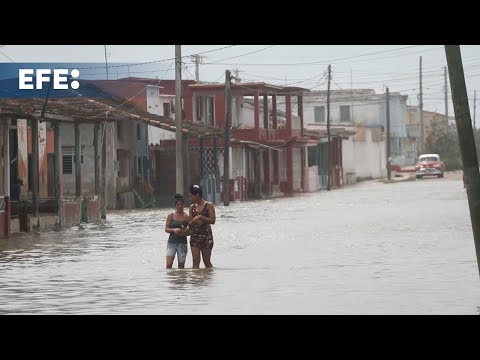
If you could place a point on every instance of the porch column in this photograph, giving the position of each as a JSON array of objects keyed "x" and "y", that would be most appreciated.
[
  {"x": 300, "y": 112},
  {"x": 256, "y": 110},
  {"x": 35, "y": 169},
  {"x": 186, "y": 166},
  {"x": 266, "y": 168},
  {"x": 6, "y": 157},
  {"x": 256, "y": 164},
  {"x": 215, "y": 165},
  {"x": 288, "y": 111},
  {"x": 78, "y": 162},
  {"x": 96, "y": 133},
  {"x": 276, "y": 176},
  {"x": 302, "y": 151},
  {"x": 289, "y": 168},
  {"x": 202, "y": 161},
  {"x": 302, "y": 168},
  {"x": 274, "y": 111},
  {"x": 58, "y": 168},
  {"x": 265, "y": 113}
]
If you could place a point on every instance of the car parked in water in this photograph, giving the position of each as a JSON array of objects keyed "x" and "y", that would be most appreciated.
[{"x": 429, "y": 165}]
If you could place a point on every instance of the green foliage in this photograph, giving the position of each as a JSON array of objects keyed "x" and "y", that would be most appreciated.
[{"x": 443, "y": 140}]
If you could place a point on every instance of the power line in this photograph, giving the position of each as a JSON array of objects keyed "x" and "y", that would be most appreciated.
[
  {"x": 158, "y": 61},
  {"x": 324, "y": 62},
  {"x": 237, "y": 56},
  {"x": 8, "y": 57}
]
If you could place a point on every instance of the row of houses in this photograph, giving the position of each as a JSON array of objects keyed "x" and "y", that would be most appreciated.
[{"x": 278, "y": 140}]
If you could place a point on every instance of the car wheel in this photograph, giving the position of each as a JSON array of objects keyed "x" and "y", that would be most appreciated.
[
  {"x": 419, "y": 176},
  {"x": 441, "y": 175}
]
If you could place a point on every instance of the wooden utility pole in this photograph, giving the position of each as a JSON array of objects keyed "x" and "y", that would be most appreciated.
[
  {"x": 226, "y": 151},
  {"x": 446, "y": 92},
  {"x": 474, "y": 109},
  {"x": 421, "y": 111},
  {"x": 466, "y": 139},
  {"x": 106, "y": 61},
  {"x": 328, "y": 129},
  {"x": 78, "y": 162},
  {"x": 178, "y": 119},
  {"x": 389, "y": 170},
  {"x": 103, "y": 190}
]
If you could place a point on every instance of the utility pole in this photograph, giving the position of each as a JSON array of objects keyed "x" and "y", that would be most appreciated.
[
  {"x": 103, "y": 188},
  {"x": 421, "y": 110},
  {"x": 237, "y": 77},
  {"x": 328, "y": 128},
  {"x": 474, "y": 109},
  {"x": 106, "y": 61},
  {"x": 226, "y": 151},
  {"x": 446, "y": 93},
  {"x": 389, "y": 170},
  {"x": 197, "y": 59},
  {"x": 178, "y": 119},
  {"x": 466, "y": 139}
]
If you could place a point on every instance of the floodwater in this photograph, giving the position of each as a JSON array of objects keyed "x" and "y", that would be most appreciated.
[{"x": 371, "y": 248}]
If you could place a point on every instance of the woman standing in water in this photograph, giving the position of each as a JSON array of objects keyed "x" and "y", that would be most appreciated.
[
  {"x": 202, "y": 216},
  {"x": 177, "y": 241}
]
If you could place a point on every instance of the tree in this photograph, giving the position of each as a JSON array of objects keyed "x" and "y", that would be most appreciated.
[{"x": 443, "y": 140}]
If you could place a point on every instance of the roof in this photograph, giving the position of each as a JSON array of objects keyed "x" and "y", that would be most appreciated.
[
  {"x": 135, "y": 91},
  {"x": 96, "y": 108},
  {"x": 253, "y": 144},
  {"x": 249, "y": 89},
  {"x": 349, "y": 95},
  {"x": 336, "y": 132},
  {"x": 167, "y": 86}
]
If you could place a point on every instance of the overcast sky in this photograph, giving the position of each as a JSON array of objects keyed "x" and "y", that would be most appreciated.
[{"x": 360, "y": 66}]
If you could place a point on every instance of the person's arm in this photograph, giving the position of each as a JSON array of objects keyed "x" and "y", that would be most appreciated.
[
  {"x": 211, "y": 212},
  {"x": 168, "y": 229},
  {"x": 190, "y": 216}
]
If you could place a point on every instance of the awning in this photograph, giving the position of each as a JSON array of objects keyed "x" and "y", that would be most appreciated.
[{"x": 254, "y": 144}]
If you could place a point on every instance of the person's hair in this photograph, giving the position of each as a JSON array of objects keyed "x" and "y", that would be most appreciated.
[
  {"x": 178, "y": 197},
  {"x": 196, "y": 189}
]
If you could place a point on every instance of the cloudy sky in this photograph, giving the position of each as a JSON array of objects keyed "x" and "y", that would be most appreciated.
[{"x": 357, "y": 66}]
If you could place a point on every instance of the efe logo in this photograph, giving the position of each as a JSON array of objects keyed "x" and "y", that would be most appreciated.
[{"x": 60, "y": 79}]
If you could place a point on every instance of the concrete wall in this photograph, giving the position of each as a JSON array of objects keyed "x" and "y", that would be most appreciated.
[
  {"x": 313, "y": 182},
  {"x": 363, "y": 159},
  {"x": 71, "y": 213},
  {"x": 297, "y": 169},
  {"x": 238, "y": 162},
  {"x": 88, "y": 165},
  {"x": 155, "y": 101}
]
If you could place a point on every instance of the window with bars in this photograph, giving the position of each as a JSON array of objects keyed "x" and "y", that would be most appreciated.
[{"x": 68, "y": 158}]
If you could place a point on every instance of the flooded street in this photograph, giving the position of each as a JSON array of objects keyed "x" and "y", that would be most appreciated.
[{"x": 372, "y": 248}]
